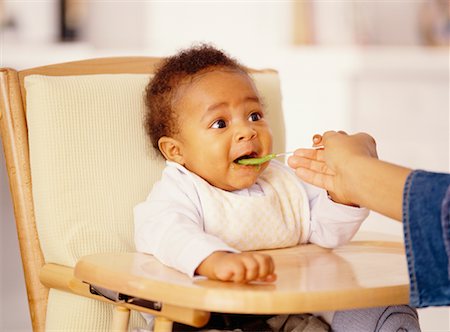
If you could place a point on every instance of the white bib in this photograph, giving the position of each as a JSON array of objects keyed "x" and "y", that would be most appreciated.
[{"x": 279, "y": 218}]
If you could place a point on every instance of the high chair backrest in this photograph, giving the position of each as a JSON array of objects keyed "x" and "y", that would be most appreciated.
[{"x": 78, "y": 161}]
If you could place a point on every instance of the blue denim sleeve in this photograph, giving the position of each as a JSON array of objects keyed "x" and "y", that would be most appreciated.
[
  {"x": 446, "y": 225},
  {"x": 426, "y": 227}
]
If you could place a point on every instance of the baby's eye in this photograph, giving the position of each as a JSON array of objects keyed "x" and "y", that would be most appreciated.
[
  {"x": 256, "y": 116},
  {"x": 219, "y": 124}
]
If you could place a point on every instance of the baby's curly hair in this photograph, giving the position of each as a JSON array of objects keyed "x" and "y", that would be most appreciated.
[{"x": 160, "y": 118}]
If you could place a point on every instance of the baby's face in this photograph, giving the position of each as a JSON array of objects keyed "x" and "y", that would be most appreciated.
[{"x": 221, "y": 119}]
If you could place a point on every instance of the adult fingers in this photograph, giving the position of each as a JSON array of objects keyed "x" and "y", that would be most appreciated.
[
  {"x": 328, "y": 134},
  {"x": 318, "y": 166},
  {"x": 321, "y": 180},
  {"x": 309, "y": 153},
  {"x": 317, "y": 138},
  {"x": 331, "y": 133}
]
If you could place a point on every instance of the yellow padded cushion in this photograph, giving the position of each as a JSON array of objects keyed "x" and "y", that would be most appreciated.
[{"x": 91, "y": 163}]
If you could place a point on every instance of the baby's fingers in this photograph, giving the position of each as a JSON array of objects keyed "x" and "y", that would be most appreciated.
[
  {"x": 269, "y": 278},
  {"x": 251, "y": 267},
  {"x": 239, "y": 273},
  {"x": 266, "y": 268},
  {"x": 257, "y": 267}
]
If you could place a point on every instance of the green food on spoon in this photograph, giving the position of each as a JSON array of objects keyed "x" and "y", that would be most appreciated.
[
  {"x": 262, "y": 160},
  {"x": 256, "y": 161}
]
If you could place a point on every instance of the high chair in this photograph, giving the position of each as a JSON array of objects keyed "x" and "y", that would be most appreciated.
[{"x": 78, "y": 161}]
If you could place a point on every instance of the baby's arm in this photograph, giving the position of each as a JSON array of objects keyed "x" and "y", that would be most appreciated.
[
  {"x": 238, "y": 267},
  {"x": 332, "y": 224},
  {"x": 169, "y": 226}
]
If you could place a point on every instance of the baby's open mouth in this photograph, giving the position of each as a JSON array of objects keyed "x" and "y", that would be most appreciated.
[{"x": 247, "y": 156}]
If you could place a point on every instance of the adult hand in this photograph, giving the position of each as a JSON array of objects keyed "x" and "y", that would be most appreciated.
[
  {"x": 238, "y": 267},
  {"x": 330, "y": 167}
]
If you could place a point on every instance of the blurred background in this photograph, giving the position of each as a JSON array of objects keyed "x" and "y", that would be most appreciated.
[{"x": 375, "y": 66}]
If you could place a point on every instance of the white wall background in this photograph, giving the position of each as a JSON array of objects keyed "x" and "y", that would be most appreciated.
[{"x": 398, "y": 93}]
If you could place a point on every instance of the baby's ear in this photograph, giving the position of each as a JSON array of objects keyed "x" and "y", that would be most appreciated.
[{"x": 171, "y": 149}]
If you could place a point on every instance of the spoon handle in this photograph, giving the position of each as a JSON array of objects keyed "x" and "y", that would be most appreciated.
[{"x": 291, "y": 152}]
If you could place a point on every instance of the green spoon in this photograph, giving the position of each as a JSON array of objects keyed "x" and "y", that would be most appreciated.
[{"x": 262, "y": 160}]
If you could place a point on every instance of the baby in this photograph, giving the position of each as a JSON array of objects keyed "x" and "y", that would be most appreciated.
[{"x": 207, "y": 211}]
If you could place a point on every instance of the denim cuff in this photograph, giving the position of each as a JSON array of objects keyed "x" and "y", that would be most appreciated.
[
  {"x": 427, "y": 237},
  {"x": 445, "y": 219}
]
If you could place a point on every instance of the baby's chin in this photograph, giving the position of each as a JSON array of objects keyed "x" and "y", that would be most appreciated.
[
  {"x": 237, "y": 185},
  {"x": 241, "y": 177}
]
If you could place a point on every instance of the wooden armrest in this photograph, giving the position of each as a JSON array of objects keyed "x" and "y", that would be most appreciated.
[{"x": 62, "y": 278}]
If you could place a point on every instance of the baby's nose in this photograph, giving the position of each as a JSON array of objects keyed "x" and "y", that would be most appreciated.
[{"x": 245, "y": 132}]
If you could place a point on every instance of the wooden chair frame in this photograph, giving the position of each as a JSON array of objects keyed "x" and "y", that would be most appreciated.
[
  {"x": 39, "y": 276},
  {"x": 13, "y": 128}
]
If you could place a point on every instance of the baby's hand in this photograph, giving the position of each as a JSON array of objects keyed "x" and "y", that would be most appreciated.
[{"x": 238, "y": 267}]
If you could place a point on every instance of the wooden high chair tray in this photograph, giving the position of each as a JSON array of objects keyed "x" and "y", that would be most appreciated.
[{"x": 310, "y": 279}]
